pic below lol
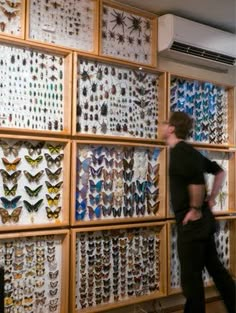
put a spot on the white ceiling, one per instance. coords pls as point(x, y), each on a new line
point(217, 13)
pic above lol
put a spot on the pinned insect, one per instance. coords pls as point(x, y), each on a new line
point(104, 35)
point(99, 74)
point(142, 103)
point(104, 109)
point(120, 38)
point(85, 75)
point(112, 34)
point(103, 127)
point(94, 87)
point(136, 24)
point(2, 26)
point(147, 38)
point(119, 20)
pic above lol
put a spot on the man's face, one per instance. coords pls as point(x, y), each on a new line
point(165, 130)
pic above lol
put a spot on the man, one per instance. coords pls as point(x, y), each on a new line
point(195, 221)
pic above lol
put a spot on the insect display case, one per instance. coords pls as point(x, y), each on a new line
point(35, 88)
point(209, 104)
point(72, 23)
point(12, 18)
point(35, 271)
point(117, 183)
point(225, 244)
point(113, 101)
point(127, 33)
point(34, 181)
point(118, 265)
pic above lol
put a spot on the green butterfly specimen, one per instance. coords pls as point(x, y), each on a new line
point(35, 192)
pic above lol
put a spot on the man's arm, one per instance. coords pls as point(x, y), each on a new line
point(217, 185)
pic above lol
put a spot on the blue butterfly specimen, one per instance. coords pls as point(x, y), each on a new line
point(197, 136)
point(142, 186)
point(139, 198)
point(96, 172)
point(79, 216)
point(95, 211)
point(189, 98)
point(181, 94)
point(198, 105)
point(94, 200)
point(95, 186)
point(10, 204)
point(97, 150)
point(81, 205)
point(181, 83)
point(154, 154)
point(83, 165)
point(190, 86)
point(189, 110)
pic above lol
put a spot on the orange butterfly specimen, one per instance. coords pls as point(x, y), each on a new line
point(11, 166)
point(13, 217)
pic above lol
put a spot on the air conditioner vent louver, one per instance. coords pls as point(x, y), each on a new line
point(205, 54)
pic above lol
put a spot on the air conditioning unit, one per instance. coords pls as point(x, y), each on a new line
point(184, 40)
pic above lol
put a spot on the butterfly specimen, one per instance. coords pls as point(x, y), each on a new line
point(33, 178)
point(10, 192)
point(97, 160)
point(10, 217)
point(8, 204)
point(11, 166)
point(128, 165)
point(53, 214)
point(94, 200)
point(32, 149)
point(34, 162)
point(10, 177)
point(85, 165)
point(54, 149)
point(51, 161)
point(97, 211)
point(53, 275)
point(33, 207)
point(53, 175)
point(14, 149)
point(53, 188)
point(33, 193)
point(153, 208)
point(96, 173)
point(107, 198)
point(96, 186)
point(53, 201)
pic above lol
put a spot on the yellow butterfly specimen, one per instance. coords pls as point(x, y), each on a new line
point(53, 201)
point(53, 214)
point(34, 162)
point(54, 149)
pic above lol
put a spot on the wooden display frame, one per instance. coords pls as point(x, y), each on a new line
point(162, 210)
point(232, 263)
point(22, 19)
point(67, 55)
point(65, 258)
point(161, 97)
point(231, 181)
point(139, 12)
point(231, 110)
point(132, 300)
point(95, 35)
point(65, 188)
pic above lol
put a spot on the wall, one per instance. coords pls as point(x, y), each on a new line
point(169, 65)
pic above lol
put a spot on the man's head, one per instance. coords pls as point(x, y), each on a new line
point(179, 125)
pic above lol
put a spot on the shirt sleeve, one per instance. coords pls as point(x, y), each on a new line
point(211, 167)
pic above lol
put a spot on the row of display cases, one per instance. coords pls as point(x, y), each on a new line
point(96, 27)
point(106, 267)
point(48, 91)
point(58, 182)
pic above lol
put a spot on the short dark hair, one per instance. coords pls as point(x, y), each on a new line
point(182, 122)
